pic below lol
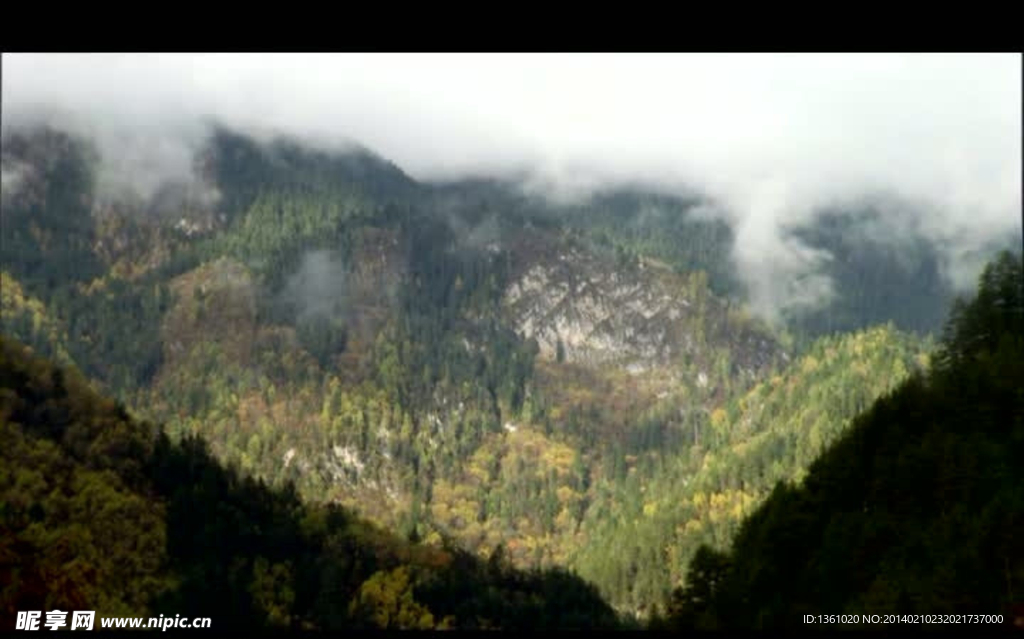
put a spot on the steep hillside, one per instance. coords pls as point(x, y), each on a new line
point(584, 307)
point(882, 269)
point(916, 510)
point(576, 384)
point(654, 519)
point(105, 513)
point(676, 231)
point(29, 318)
point(47, 224)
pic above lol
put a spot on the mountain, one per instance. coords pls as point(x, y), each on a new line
point(916, 509)
point(577, 385)
point(105, 513)
point(883, 269)
point(644, 531)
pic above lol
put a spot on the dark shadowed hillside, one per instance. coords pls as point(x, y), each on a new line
point(917, 509)
point(880, 272)
point(105, 513)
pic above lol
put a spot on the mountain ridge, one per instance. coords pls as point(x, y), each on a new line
point(460, 361)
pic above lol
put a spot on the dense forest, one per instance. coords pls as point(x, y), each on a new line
point(645, 527)
point(105, 513)
point(916, 509)
point(527, 395)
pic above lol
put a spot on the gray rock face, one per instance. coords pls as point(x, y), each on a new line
point(600, 314)
point(594, 310)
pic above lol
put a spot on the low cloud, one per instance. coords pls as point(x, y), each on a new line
point(12, 176)
point(318, 287)
point(771, 139)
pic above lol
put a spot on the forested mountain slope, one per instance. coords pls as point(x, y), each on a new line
point(565, 384)
point(917, 509)
point(642, 531)
point(105, 513)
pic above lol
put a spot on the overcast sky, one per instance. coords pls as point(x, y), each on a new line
point(770, 136)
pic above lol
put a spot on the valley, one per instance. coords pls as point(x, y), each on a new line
point(577, 387)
